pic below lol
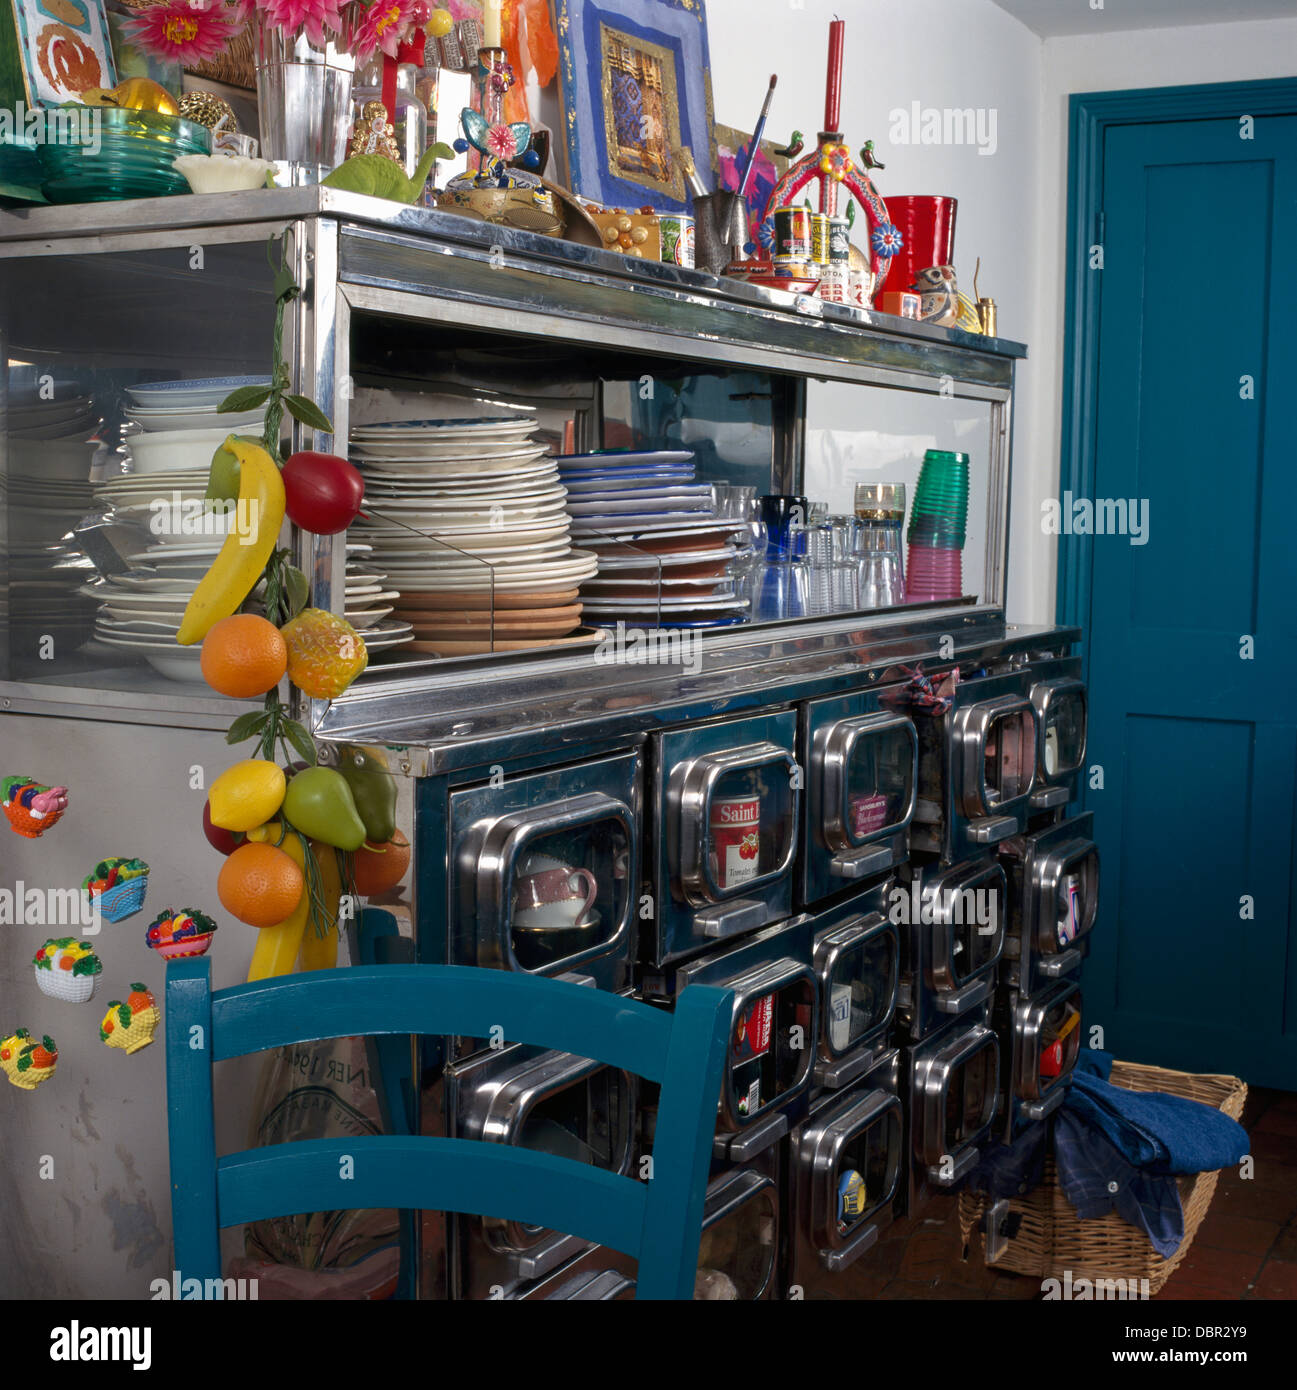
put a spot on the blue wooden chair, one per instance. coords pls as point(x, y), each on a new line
point(659, 1222)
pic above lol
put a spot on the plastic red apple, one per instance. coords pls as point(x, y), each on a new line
point(322, 492)
point(224, 840)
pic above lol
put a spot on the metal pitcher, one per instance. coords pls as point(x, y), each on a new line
point(721, 230)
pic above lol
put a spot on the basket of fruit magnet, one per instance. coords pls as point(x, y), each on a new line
point(183, 933)
point(26, 1061)
point(130, 1025)
point(30, 806)
point(119, 886)
point(67, 969)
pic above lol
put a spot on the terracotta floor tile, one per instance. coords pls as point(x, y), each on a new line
point(1277, 1279)
point(1228, 1272)
point(1273, 1150)
point(1175, 1291)
point(1276, 1121)
point(902, 1288)
point(1285, 1248)
point(1224, 1230)
point(1247, 1199)
point(1014, 1286)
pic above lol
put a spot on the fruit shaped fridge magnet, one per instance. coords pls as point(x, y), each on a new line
point(130, 1025)
point(30, 806)
point(67, 969)
point(832, 165)
point(184, 933)
point(118, 886)
point(26, 1061)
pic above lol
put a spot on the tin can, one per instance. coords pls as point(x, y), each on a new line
point(677, 238)
point(793, 232)
point(868, 813)
point(834, 282)
point(735, 829)
point(793, 268)
point(857, 280)
point(752, 1036)
point(1069, 916)
point(839, 239)
point(820, 238)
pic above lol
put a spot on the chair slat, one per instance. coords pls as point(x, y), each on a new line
point(447, 1000)
point(465, 1175)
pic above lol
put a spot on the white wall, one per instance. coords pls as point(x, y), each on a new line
point(1100, 63)
point(941, 53)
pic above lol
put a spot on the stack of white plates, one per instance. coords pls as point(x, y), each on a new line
point(468, 518)
point(175, 426)
point(664, 556)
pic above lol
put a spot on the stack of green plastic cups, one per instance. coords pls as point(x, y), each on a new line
point(938, 518)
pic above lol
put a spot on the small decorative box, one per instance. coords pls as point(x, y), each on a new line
point(653, 236)
point(67, 969)
point(903, 303)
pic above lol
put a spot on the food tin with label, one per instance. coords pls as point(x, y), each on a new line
point(839, 239)
point(736, 839)
point(820, 242)
point(793, 268)
point(677, 233)
point(856, 292)
point(834, 282)
point(793, 232)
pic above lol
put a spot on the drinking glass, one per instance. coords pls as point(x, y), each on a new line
point(880, 580)
point(880, 502)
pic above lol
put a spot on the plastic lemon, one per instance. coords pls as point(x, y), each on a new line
point(247, 795)
point(440, 24)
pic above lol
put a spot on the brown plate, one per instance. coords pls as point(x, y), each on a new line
point(478, 626)
point(480, 648)
point(428, 601)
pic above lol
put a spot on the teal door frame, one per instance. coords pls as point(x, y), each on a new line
point(1090, 114)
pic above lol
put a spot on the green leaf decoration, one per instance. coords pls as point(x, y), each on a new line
point(124, 1013)
point(48, 1043)
point(139, 988)
point(297, 588)
point(44, 964)
point(244, 398)
point(24, 1058)
point(305, 410)
point(247, 726)
point(103, 1036)
point(303, 744)
point(88, 965)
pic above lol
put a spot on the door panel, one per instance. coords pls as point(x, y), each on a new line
point(1193, 634)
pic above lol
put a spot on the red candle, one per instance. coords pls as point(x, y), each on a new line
point(833, 88)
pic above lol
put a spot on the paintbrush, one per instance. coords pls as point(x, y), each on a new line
point(756, 136)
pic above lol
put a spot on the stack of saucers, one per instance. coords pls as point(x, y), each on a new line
point(175, 426)
point(664, 555)
point(467, 517)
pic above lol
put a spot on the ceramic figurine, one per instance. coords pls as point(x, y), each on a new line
point(938, 295)
point(794, 146)
point(31, 806)
point(119, 885)
point(868, 160)
point(131, 1025)
point(183, 933)
point(380, 177)
point(27, 1063)
point(67, 969)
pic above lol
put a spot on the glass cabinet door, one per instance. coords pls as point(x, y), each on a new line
point(1009, 761)
point(971, 1097)
point(736, 1256)
point(858, 971)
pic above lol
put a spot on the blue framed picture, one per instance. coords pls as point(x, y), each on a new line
point(635, 81)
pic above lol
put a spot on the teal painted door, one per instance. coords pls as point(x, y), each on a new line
point(1193, 634)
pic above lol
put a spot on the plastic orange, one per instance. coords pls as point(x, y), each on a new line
point(325, 653)
point(376, 868)
point(243, 656)
point(260, 885)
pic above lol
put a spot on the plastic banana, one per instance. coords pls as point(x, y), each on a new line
point(277, 946)
point(242, 558)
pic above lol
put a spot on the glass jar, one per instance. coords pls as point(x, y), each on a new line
point(410, 116)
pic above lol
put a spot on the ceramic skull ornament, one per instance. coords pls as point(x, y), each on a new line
point(938, 295)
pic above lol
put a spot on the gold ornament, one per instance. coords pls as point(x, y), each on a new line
point(205, 108)
point(135, 93)
point(374, 134)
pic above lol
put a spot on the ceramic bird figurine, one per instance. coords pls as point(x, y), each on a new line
point(27, 1063)
point(793, 148)
point(380, 177)
point(938, 295)
point(867, 158)
point(31, 807)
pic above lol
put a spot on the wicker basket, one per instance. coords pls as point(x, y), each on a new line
point(1050, 1238)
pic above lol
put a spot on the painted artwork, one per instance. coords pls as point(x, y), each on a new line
point(65, 48)
point(636, 87)
point(731, 157)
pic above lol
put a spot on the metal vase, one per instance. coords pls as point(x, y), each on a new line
point(720, 230)
point(304, 100)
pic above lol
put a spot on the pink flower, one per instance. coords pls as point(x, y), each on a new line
point(317, 19)
point(182, 32)
point(381, 25)
point(501, 142)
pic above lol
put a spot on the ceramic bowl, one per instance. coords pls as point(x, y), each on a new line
point(222, 173)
